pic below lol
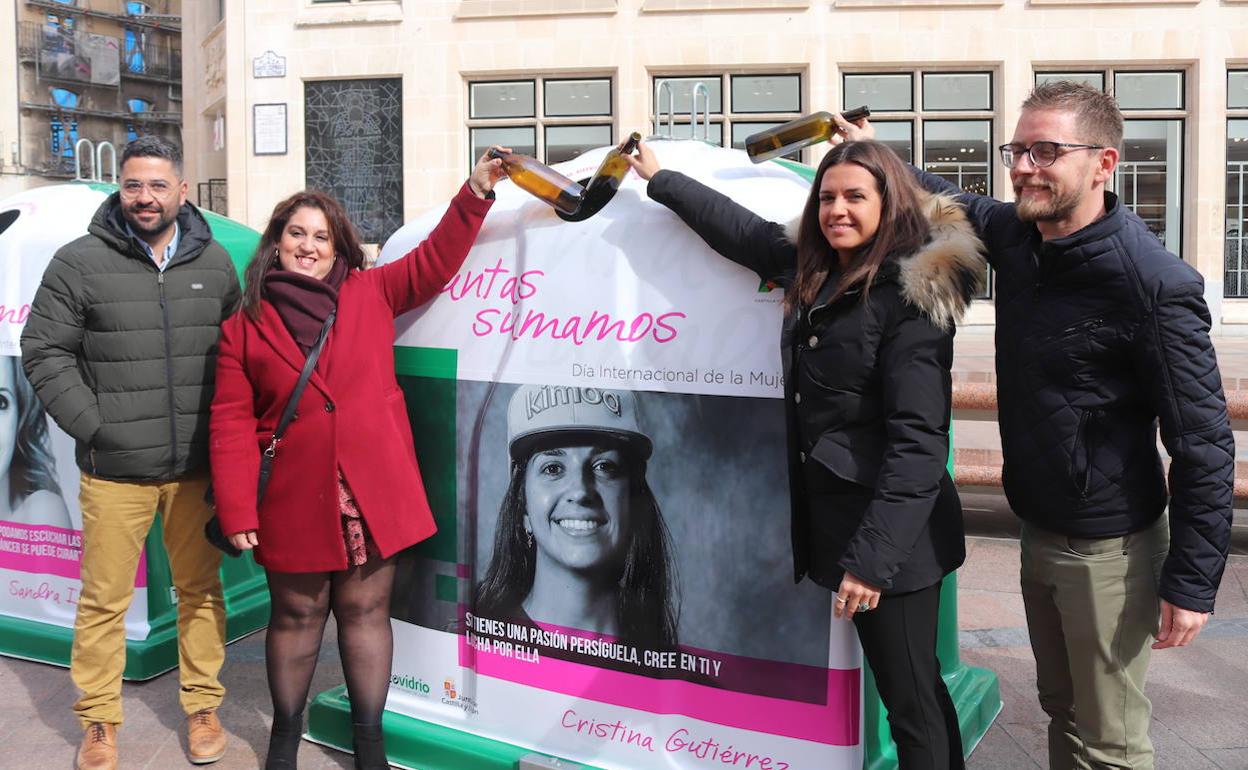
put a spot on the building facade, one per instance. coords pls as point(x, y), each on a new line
point(386, 102)
point(101, 70)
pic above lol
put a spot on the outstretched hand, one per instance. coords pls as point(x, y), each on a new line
point(644, 162)
point(855, 131)
point(487, 172)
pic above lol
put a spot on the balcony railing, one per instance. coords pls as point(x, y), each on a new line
point(87, 58)
point(160, 14)
point(153, 62)
point(170, 118)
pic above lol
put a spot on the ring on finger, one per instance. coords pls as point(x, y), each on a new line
point(864, 607)
point(841, 600)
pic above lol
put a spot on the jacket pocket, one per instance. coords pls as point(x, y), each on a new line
point(861, 465)
point(1064, 355)
point(1097, 547)
point(1081, 456)
point(1085, 326)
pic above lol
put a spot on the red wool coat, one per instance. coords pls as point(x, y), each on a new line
point(351, 415)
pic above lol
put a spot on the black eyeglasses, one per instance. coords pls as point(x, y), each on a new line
point(1042, 154)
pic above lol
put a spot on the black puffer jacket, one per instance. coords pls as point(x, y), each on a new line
point(122, 355)
point(867, 391)
point(1100, 335)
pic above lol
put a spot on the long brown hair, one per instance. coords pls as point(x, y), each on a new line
point(341, 232)
point(903, 227)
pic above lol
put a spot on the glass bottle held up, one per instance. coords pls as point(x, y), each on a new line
point(602, 186)
point(614, 167)
point(541, 181)
point(796, 134)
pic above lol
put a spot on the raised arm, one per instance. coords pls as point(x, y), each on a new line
point(981, 210)
point(419, 275)
point(727, 227)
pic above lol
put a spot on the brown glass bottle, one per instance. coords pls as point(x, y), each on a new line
point(796, 134)
point(614, 167)
point(540, 180)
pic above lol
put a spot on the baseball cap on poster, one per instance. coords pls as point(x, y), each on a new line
point(539, 412)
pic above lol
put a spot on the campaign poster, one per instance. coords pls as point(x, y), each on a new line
point(40, 521)
point(597, 409)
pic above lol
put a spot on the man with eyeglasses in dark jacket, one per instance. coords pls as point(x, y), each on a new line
point(121, 347)
point(1101, 335)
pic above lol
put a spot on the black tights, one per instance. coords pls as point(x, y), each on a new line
point(301, 602)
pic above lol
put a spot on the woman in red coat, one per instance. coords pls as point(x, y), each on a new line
point(345, 494)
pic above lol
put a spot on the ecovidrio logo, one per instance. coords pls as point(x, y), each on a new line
point(410, 683)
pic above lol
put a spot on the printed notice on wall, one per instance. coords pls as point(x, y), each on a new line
point(269, 129)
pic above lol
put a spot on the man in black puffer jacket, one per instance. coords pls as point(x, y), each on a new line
point(1101, 334)
point(121, 347)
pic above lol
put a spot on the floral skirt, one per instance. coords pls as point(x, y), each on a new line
point(360, 545)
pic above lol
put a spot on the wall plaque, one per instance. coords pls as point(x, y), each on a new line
point(268, 129)
point(268, 65)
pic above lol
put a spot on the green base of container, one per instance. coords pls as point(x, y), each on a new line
point(246, 611)
point(415, 743)
point(976, 694)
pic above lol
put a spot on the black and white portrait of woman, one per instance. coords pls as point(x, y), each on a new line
point(29, 492)
point(659, 519)
point(580, 541)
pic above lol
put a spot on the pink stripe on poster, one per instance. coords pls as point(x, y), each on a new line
point(40, 549)
point(833, 723)
point(45, 550)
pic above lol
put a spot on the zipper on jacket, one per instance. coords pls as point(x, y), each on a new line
point(1088, 435)
point(173, 411)
point(1084, 326)
point(1081, 472)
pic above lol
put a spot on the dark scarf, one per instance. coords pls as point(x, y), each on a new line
point(304, 302)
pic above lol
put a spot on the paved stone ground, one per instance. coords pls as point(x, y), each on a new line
point(1200, 719)
point(1200, 714)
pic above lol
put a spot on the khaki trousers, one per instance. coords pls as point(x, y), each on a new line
point(1092, 609)
point(116, 517)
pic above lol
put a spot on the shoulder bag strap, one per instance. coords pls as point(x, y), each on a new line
point(288, 414)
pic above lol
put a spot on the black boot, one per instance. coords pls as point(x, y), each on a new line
point(370, 749)
point(284, 743)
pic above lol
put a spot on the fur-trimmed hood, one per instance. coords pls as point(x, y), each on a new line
point(941, 278)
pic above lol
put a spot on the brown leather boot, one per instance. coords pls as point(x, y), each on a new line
point(98, 750)
point(205, 737)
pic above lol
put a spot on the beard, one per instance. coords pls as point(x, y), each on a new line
point(163, 223)
point(1058, 206)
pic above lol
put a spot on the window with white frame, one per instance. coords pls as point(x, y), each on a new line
point(729, 106)
point(1235, 230)
point(550, 118)
point(1149, 177)
point(938, 120)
